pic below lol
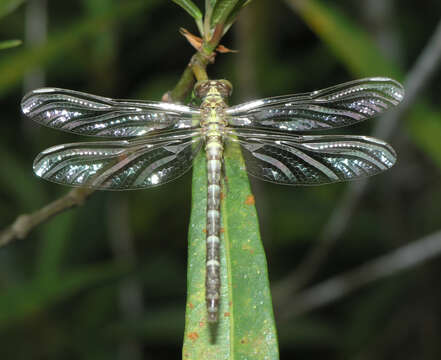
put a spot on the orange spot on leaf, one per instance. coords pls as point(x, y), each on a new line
point(248, 248)
point(227, 314)
point(191, 306)
point(193, 336)
point(250, 200)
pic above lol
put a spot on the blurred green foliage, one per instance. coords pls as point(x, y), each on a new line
point(61, 288)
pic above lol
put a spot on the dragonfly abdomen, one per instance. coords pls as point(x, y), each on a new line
point(213, 123)
point(214, 150)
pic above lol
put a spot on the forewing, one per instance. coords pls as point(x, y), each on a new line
point(337, 106)
point(87, 114)
point(312, 160)
point(120, 165)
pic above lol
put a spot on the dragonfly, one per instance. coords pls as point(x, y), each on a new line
point(152, 143)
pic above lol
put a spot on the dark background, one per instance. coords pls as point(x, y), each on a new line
point(107, 280)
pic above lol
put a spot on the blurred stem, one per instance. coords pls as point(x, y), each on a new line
point(245, 65)
point(195, 69)
point(130, 288)
point(24, 223)
point(183, 87)
point(35, 35)
point(379, 15)
point(404, 258)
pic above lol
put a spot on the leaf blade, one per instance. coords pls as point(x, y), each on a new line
point(253, 320)
point(222, 11)
point(8, 6)
point(7, 44)
point(246, 322)
point(198, 334)
point(346, 39)
point(190, 7)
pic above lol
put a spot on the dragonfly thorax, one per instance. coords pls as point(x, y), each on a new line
point(213, 94)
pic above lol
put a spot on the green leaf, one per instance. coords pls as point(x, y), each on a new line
point(8, 6)
point(246, 327)
point(349, 42)
point(7, 44)
point(210, 4)
point(190, 7)
point(223, 10)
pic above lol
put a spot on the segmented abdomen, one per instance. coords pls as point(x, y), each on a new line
point(214, 151)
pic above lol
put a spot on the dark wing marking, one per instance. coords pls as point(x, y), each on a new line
point(121, 165)
point(87, 114)
point(311, 160)
point(337, 106)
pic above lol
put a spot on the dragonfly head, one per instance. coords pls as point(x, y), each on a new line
point(205, 88)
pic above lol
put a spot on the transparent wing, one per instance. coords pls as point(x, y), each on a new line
point(311, 160)
point(120, 165)
point(337, 106)
point(87, 114)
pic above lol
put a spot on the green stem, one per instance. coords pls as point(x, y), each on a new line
point(209, 46)
point(183, 87)
point(199, 64)
point(197, 68)
point(207, 20)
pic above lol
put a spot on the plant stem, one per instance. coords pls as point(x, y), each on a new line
point(198, 65)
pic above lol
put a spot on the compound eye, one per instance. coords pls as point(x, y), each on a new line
point(201, 88)
point(226, 86)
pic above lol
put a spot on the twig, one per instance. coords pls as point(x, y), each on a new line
point(24, 223)
point(404, 258)
point(426, 65)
